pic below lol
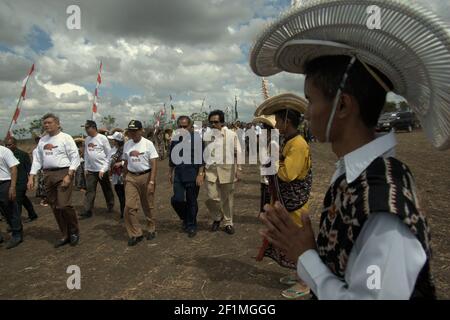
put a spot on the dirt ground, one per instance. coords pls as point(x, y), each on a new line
point(209, 266)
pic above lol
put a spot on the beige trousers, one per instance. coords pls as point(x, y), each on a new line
point(220, 201)
point(135, 192)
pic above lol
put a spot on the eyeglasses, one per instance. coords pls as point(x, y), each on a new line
point(214, 122)
point(183, 127)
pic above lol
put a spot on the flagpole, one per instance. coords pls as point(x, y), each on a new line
point(9, 133)
point(203, 103)
point(94, 105)
point(235, 108)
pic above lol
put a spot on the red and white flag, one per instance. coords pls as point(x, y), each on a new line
point(99, 81)
point(18, 106)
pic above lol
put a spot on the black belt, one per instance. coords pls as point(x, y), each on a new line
point(56, 169)
point(140, 173)
point(94, 172)
point(4, 181)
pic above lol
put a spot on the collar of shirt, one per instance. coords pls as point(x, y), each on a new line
point(355, 162)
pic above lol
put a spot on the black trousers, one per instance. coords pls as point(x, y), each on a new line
point(184, 202)
point(120, 191)
point(9, 210)
point(92, 179)
point(22, 200)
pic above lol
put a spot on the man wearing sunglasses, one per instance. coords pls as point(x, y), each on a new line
point(186, 173)
point(219, 172)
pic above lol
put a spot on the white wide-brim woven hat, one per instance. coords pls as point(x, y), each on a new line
point(281, 102)
point(412, 49)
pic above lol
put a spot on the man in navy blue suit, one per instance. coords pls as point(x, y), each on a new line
point(186, 173)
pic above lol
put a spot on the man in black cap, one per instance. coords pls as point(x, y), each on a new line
point(96, 165)
point(140, 173)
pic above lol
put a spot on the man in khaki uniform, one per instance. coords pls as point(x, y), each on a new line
point(140, 172)
point(220, 171)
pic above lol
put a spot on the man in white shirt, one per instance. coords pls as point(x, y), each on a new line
point(97, 151)
point(57, 155)
point(373, 240)
point(140, 173)
point(8, 205)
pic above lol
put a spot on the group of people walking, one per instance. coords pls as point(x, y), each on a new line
point(371, 215)
point(130, 166)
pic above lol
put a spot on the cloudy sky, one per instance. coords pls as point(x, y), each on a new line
point(190, 49)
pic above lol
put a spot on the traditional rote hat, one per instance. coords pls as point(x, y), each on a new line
point(411, 47)
point(281, 102)
point(268, 120)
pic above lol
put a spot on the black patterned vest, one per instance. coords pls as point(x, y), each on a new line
point(385, 186)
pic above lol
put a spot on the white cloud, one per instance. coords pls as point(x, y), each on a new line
point(150, 49)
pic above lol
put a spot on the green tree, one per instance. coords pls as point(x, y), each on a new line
point(390, 107)
point(404, 106)
point(20, 133)
point(109, 122)
point(36, 127)
point(199, 116)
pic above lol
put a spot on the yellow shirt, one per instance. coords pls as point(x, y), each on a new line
point(295, 166)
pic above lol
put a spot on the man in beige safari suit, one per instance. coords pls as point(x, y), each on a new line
point(220, 175)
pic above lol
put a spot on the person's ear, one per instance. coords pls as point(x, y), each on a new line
point(346, 106)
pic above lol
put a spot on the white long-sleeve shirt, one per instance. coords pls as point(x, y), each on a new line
point(97, 151)
point(58, 151)
point(385, 247)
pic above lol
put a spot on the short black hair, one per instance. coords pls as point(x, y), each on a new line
point(90, 124)
point(217, 113)
point(294, 116)
point(326, 73)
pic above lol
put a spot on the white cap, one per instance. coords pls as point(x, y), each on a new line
point(118, 136)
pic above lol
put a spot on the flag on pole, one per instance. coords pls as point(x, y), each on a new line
point(18, 106)
point(16, 115)
point(203, 103)
point(24, 91)
point(172, 109)
point(95, 102)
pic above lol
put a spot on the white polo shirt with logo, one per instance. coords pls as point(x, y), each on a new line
point(53, 152)
point(97, 152)
point(138, 155)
